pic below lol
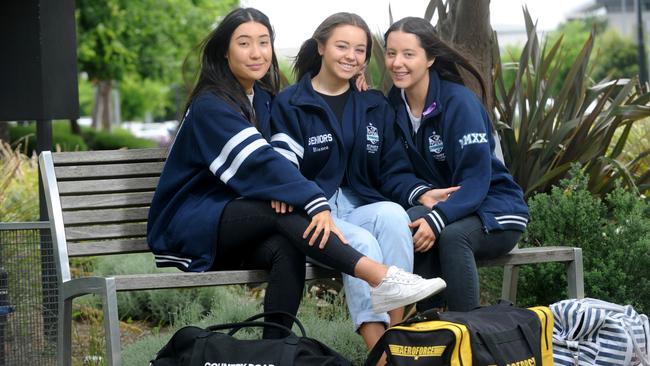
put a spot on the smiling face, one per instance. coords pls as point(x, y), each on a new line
point(407, 61)
point(250, 53)
point(344, 53)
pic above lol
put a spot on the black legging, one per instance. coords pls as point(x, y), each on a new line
point(253, 236)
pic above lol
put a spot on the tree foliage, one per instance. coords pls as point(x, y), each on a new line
point(615, 57)
point(101, 31)
point(144, 40)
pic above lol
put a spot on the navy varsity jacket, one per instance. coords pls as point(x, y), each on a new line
point(216, 157)
point(454, 147)
point(307, 133)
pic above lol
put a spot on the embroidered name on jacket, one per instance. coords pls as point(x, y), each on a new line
point(473, 138)
point(372, 136)
point(436, 146)
point(323, 139)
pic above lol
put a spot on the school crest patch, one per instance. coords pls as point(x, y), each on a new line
point(436, 146)
point(372, 136)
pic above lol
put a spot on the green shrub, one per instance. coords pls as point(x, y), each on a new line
point(156, 306)
point(62, 138)
point(117, 139)
point(490, 279)
point(140, 95)
point(616, 57)
point(610, 231)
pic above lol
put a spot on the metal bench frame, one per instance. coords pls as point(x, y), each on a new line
point(98, 203)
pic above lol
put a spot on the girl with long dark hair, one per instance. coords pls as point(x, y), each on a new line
point(450, 142)
point(211, 208)
point(344, 140)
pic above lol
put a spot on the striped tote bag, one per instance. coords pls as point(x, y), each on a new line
point(596, 332)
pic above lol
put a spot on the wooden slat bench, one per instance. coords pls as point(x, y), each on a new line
point(98, 203)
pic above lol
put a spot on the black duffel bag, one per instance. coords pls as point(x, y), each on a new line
point(496, 335)
point(194, 346)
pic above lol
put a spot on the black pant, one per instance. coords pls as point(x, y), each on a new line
point(453, 258)
point(253, 236)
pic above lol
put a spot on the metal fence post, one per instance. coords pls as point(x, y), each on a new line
point(5, 309)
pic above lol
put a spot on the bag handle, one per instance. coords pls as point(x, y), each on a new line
point(375, 353)
point(279, 312)
point(530, 339)
point(425, 316)
point(288, 351)
point(491, 345)
point(434, 314)
point(235, 327)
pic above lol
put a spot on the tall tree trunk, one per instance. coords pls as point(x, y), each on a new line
point(467, 26)
point(103, 109)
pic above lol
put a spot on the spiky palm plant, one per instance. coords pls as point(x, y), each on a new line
point(543, 133)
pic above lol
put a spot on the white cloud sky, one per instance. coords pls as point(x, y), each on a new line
point(295, 20)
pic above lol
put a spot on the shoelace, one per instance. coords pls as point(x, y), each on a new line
point(402, 276)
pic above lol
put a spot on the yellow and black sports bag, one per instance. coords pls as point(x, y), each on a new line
point(500, 335)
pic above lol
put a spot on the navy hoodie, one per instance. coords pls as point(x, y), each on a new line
point(218, 156)
point(307, 133)
point(454, 146)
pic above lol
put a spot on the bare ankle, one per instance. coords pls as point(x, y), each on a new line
point(370, 271)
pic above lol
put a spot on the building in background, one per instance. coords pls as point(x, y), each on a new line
point(620, 14)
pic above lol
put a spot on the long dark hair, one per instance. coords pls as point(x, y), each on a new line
point(215, 75)
point(308, 60)
point(447, 59)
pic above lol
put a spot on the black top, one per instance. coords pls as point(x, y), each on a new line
point(337, 103)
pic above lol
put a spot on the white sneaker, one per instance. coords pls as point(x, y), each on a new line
point(400, 288)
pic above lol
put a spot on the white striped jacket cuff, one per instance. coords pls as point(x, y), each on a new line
point(165, 260)
point(317, 205)
point(509, 220)
point(436, 221)
point(416, 193)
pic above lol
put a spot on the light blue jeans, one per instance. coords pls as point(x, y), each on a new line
point(379, 231)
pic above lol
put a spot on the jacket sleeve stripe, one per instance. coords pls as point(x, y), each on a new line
point(309, 205)
point(315, 207)
point(288, 154)
point(229, 146)
point(440, 220)
point(180, 259)
point(293, 145)
point(415, 192)
point(171, 259)
point(239, 159)
point(511, 217)
point(503, 222)
point(435, 222)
